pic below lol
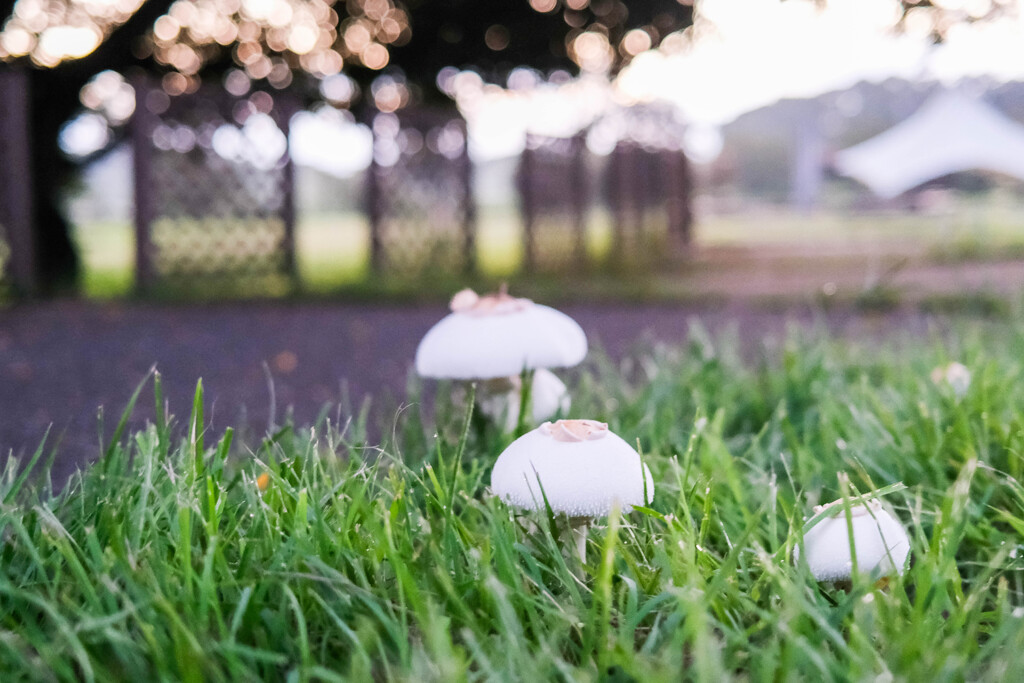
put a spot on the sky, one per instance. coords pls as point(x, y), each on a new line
point(745, 54)
point(740, 55)
point(750, 53)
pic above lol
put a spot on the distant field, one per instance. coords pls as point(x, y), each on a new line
point(333, 249)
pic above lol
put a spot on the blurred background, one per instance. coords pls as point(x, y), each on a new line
point(224, 148)
point(859, 155)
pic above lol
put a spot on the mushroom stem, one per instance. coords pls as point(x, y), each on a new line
point(579, 527)
point(525, 402)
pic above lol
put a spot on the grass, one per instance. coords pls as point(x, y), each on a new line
point(980, 303)
point(967, 250)
point(332, 250)
point(358, 558)
point(333, 253)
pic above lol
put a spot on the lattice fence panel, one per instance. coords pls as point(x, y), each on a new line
point(649, 197)
point(419, 194)
point(554, 191)
point(214, 192)
point(648, 187)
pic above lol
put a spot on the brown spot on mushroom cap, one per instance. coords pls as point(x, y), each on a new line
point(469, 302)
point(574, 430)
point(463, 300)
point(856, 510)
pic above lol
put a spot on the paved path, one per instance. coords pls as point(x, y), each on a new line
point(60, 361)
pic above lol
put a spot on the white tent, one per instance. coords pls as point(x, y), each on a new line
point(951, 132)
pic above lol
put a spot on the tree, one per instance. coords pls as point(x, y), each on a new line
point(54, 102)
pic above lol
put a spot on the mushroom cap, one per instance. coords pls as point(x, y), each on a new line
point(548, 397)
point(880, 541)
point(584, 469)
point(956, 375)
point(487, 340)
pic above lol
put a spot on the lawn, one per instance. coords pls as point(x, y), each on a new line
point(333, 249)
point(320, 552)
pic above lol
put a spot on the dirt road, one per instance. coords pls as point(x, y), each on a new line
point(61, 361)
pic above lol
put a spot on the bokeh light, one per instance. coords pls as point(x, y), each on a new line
point(497, 38)
point(110, 95)
point(267, 39)
point(52, 31)
point(273, 38)
point(544, 5)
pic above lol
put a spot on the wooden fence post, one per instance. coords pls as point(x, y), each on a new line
point(17, 207)
point(142, 125)
point(286, 108)
point(620, 187)
point(469, 204)
point(679, 199)
point(578, 174)
point(527, 170)
point(375, 210)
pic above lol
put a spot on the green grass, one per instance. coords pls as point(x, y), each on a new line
point(972, 249)
point(369, 559)
point(333, 253)
point(107, 251)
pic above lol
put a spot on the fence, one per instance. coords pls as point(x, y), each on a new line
point(554, 193)
point(419, 194)
point(215, 195)
point(648, 192)
point(214, 191)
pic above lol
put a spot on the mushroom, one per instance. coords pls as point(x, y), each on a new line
point(500, 398)
point(581, 470)
point(497, 337)
point(880, 542)
point(956, 375)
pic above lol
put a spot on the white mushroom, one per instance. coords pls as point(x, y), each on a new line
point(579, 467)
point(497, 337)
point(500, 399)
point(880, 542)
point(956, 375)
